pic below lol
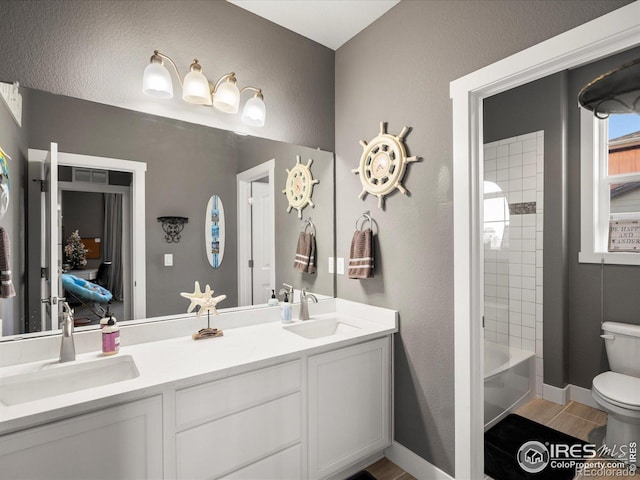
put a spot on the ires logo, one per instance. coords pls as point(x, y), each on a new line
point(534, 456)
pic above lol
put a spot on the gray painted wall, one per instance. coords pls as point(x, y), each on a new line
point(537, 106)
point(253, 151)
point(98, 49)
point(398, 70)
point(11, 141)
point(587, 356)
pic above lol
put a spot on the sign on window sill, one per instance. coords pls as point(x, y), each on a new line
point(624, 236)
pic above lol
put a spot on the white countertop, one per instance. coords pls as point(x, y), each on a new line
point(180, 361)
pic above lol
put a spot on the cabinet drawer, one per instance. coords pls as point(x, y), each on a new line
point(284, 465)
point(224, 445)
point(195, 405)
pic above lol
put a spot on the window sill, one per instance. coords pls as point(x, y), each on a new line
point(609, 258)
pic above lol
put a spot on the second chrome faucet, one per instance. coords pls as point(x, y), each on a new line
point(304, 303)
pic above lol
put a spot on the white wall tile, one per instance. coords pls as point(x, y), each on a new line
point(529, 196)
point(528, 183)
point(529, 158)
point(529, 170)
point(514, 274)
point(529, 145)
point(515, 160)
point(490, 152)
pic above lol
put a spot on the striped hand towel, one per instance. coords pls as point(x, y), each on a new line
point(361, 254)
point(6, 285)
point(305, 260)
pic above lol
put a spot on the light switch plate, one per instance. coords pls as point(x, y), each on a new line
point(168, 260)
point(340, 266)
point(331, 264)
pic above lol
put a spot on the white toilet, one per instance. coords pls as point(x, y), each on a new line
point(618, 391)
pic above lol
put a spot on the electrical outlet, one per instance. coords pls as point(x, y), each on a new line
point(168, 260)
point(340, 266)
point(331, 264)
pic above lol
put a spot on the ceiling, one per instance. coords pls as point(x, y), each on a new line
point(328, 22)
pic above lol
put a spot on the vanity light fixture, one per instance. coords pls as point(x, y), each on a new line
point(224, 95)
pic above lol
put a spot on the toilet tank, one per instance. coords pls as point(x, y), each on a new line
point(622, 341)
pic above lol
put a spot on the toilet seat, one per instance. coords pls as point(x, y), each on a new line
point(618, 389)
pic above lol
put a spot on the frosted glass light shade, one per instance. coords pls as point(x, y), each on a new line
point(195, 88)
point(156, 81)
point(227, 98)
point(254, 112)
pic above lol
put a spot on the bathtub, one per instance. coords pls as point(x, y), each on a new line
point(509, 381)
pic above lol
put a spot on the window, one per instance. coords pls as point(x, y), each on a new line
point(610, 189)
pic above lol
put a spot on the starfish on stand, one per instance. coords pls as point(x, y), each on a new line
point(206, 303)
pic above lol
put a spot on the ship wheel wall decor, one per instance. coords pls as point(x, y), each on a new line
point(382, 164)
point(299, 186)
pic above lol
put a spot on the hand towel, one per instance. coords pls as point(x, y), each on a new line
point(311, 267)
point(361, 254)
point(6, 285)
point(305, 260)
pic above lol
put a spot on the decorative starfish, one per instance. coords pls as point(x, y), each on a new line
point(205, 300)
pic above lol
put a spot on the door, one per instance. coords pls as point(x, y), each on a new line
point(50, 242)
point(256, 213)
point(262, 236)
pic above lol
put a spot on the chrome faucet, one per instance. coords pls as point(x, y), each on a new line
point(67, 347)
point(288, 289)
point(304, 305)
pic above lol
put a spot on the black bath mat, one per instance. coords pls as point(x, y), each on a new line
point(503, 441)
point(363, 475)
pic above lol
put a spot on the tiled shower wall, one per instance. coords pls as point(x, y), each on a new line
point(513, 263)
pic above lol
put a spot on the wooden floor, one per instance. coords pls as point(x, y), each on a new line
point(386, 470)
point(577, 420)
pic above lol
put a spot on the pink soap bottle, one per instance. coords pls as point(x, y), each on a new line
point(111, 338)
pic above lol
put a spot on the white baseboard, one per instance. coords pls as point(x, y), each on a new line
point(567, 394)
point(414, 464)
point(582, 395)
point(555, 394)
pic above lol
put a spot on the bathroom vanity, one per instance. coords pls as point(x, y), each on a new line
point(309, 400)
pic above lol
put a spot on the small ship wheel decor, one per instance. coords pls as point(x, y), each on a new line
point(299, 186)
point(383, 164)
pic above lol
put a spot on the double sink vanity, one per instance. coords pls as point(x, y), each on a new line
point(310, 399)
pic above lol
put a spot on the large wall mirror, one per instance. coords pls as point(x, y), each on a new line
point(184, 165)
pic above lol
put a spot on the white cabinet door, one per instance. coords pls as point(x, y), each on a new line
point(121, 442)
point(349, 406)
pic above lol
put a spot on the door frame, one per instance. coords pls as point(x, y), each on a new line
point(243, 184)
point(604, 36)
point(137, 197)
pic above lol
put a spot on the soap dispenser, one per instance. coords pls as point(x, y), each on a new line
point(111, 338)
point(285, 313)
point(273, 301)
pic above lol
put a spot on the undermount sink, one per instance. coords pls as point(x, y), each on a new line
point(313, 329)
point(60, 378)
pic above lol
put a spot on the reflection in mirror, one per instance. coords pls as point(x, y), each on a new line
point(186, 164)
point(214, 231)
